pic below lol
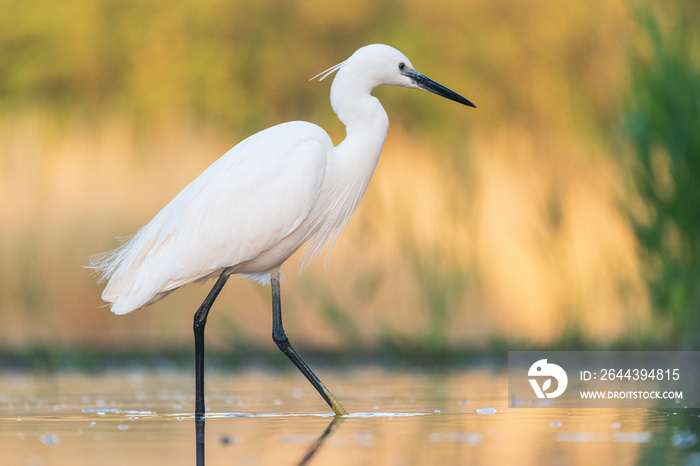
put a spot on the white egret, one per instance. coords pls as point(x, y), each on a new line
point(261, 201)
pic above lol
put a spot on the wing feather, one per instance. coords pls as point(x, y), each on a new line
point(246, 202)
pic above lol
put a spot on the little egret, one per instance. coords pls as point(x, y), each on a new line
point(261, 201)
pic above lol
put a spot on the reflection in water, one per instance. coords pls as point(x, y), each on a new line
point(459, 417)
point(199, 439)
point(313, 449)
point(332, 427)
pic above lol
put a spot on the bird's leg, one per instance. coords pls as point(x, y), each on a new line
point(200, 320)
point(282, 341)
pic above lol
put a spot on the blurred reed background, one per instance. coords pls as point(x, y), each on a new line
point(563, 212)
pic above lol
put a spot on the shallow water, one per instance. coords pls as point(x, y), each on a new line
point(263, 417)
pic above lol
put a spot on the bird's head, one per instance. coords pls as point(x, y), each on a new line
point(378, 64)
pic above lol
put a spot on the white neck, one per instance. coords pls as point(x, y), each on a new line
point(353, 161)
point(366, 121)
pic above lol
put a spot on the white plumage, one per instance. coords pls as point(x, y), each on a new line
point(230, 217)
point(261, 201)
point(266, 197)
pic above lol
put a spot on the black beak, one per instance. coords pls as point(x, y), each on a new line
point(431, 86)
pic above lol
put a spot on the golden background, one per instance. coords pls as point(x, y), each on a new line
point(506, 225)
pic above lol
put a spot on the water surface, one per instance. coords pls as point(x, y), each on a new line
point(409, 417)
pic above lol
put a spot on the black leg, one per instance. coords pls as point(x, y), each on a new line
point(200, 320)
point(282, 341)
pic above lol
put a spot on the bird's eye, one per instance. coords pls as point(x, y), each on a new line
point(402, 65)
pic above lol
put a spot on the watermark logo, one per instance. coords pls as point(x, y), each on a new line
point(604, 379)
point(541, 369)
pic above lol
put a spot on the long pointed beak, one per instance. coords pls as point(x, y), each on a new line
point(429, 85)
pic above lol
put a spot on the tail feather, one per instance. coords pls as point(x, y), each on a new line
point(125, 271)
point(131, 279)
